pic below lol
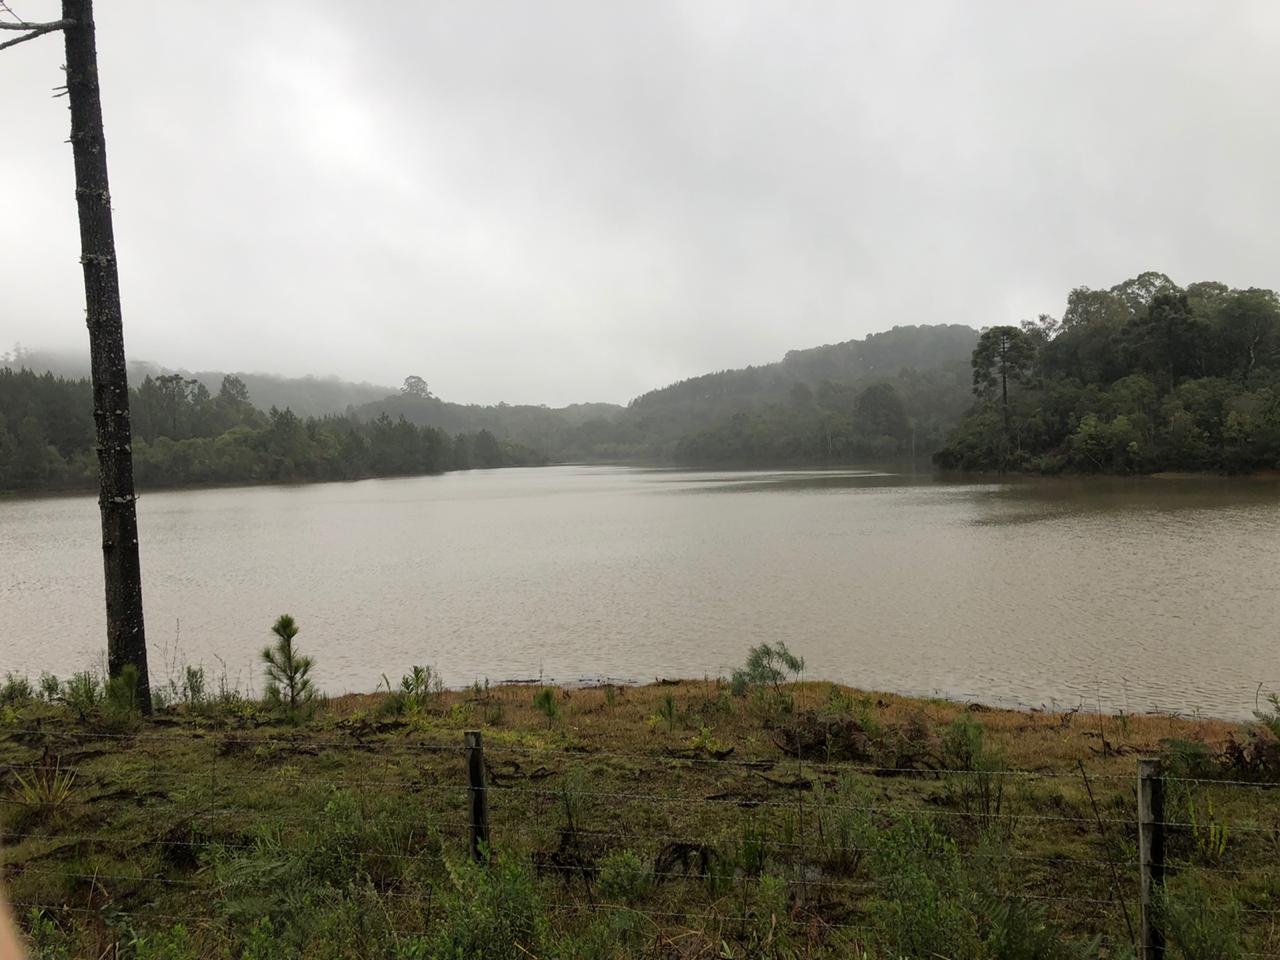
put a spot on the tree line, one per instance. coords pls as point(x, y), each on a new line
point(1142, 377)
point(185, 434)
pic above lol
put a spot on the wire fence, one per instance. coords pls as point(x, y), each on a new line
point(147, 826)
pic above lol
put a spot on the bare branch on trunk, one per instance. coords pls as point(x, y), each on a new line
point(31, 30)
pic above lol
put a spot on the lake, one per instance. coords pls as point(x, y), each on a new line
point(1155, 593)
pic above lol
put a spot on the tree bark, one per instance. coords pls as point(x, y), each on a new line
point(126, 638)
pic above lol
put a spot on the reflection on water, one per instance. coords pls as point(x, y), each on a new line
point(1143, 594)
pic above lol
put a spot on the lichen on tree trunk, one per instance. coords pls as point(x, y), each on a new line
point(126, 637)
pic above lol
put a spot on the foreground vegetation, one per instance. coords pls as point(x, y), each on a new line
point(749, 817)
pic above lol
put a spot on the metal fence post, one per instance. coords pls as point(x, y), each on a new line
point(479, 801)
point(1151, 855)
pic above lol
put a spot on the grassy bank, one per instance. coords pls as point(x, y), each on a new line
point(682, 820)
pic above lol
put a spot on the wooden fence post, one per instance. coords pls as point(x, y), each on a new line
point(479, 801)
point(1151, 856)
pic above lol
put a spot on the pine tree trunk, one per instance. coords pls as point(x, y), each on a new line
point(126, 639)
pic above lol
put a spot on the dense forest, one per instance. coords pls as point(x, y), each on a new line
point(882, 396)
point(185, 434)
point(1142, 377)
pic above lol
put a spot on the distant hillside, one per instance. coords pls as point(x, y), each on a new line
point(700, 401)
point(889, 395)
point(813, 405)
point(657, 424)
point(552, 431)
point(308, 396)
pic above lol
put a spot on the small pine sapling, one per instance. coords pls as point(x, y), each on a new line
point(289, 685)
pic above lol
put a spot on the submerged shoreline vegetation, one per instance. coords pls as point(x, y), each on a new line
point(757, 816)
point(1144, 377)
point(185, 435)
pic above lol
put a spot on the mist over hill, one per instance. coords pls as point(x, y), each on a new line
point(922, 370)
point(886, 395)
point(309, 396)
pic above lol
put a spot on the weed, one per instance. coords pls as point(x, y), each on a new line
point(844, 830)
point(706, 742)
point(491, 913)
point(624, 877)
point(120, 700)
point(193, 687)
point(46, 787)
point(546, 703)
point(1209, 834)
point(767, 931)
point(751, 853)
point(1197, 927)
point(48, 941)
point(172, 944)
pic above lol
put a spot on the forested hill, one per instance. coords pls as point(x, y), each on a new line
point(807, 407)
point(813, 406)
point(1141, 377)
point(881, 396)
point(186, 434)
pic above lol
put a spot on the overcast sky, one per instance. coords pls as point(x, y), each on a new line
point(582, 199)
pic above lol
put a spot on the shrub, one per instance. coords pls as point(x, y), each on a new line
point(768, 666)
point(418, 689)
point(16, 691)
point(289, 685)
point(624, 877)
point(1188, 758)
point(50, 687)
point(82, 693)
point(979, 786)
point(927, 909)
point(1270, 718)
